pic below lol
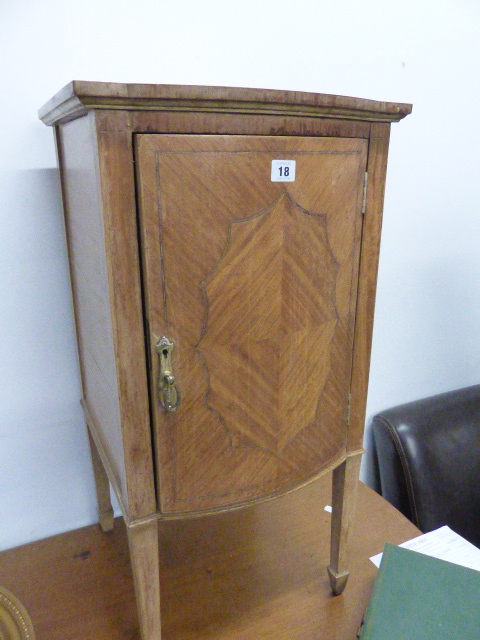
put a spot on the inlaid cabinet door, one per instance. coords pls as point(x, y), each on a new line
point(250, 248)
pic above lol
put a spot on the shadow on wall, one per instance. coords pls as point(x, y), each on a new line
point(369, 472)
point(36, 321)
point(44, 456)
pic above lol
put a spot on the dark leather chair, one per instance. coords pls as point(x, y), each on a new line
point(428, 454)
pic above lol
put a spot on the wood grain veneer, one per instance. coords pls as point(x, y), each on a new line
point(77, 97)
point(266, 289)
point(257, 283)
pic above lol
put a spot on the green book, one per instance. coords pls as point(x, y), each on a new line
point(417, 597)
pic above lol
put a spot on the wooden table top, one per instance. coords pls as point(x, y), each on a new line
point(255, 574)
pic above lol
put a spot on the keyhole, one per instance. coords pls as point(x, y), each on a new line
point(165, 353)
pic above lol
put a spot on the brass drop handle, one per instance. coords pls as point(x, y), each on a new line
point(167, 390)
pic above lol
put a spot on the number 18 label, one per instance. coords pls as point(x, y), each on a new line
point(283, 170)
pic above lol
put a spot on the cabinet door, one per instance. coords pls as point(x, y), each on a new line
point(253, 276)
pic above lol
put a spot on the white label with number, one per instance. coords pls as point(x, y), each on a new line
point(283, 170)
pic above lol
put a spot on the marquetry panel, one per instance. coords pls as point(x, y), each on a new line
point(255, 282)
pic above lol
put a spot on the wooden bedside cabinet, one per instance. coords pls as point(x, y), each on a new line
point(223, 247)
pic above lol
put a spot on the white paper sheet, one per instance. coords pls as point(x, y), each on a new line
point(445, 544)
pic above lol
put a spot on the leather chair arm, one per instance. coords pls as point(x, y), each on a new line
point(429, 460)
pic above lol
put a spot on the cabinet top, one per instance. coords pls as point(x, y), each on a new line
point(78, 97)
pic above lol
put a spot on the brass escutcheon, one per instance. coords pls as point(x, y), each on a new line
point(167, 390)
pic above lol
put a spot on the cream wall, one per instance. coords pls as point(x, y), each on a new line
point(428, 311)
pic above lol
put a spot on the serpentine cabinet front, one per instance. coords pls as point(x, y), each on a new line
point(254, 280)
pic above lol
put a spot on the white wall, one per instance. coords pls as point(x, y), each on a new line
point(421, 51)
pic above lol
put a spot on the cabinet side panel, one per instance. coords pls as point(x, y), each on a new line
point(86, 245)
point(115, 161)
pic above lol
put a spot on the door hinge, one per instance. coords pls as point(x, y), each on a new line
point(364, 200)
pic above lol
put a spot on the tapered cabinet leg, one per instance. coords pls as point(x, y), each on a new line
point(344, 493)
point(102, 487)
point(143, 543)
